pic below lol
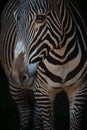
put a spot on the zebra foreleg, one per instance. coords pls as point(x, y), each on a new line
point(25, 117)
point(38, 125)
point(77, 108)
point(75, 117)
point(21, 98)
point(46, 109)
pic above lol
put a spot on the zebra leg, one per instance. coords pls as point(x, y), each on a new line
point(25, 117)
point(21, 98)
point(45, 108)
point(37, 125)
point(77, 104)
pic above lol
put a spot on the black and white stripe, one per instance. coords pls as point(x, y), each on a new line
point(8, 36)
point(65, 67)
point(54, 36)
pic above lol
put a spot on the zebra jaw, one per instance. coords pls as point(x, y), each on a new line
point(23, 73)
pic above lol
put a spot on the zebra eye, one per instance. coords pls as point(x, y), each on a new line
point(17, 18)
point(40, 18)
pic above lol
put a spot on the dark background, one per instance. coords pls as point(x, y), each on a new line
point(9, 119)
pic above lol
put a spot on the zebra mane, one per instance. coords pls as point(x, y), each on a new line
point(53, 3)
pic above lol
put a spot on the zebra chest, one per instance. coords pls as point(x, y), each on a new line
point(60, 70)
point(56, 73)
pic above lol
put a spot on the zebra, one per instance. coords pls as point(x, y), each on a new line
point(54, 35)
point(21, 95)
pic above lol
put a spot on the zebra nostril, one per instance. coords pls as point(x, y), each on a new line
point(25, 77)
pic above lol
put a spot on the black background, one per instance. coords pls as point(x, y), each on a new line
point(9, 119)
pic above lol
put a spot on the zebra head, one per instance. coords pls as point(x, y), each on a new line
point(21, 74)
point(39, 28)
